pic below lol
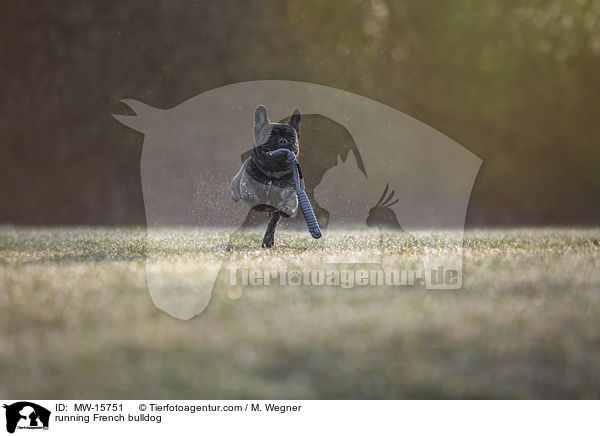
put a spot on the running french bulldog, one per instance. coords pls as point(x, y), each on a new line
point(267, 182)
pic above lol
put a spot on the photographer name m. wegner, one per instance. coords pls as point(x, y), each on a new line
point(429, 278)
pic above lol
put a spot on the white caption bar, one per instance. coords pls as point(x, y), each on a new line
point(150, 417)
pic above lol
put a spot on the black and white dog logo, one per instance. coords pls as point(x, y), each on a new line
point(26, 415)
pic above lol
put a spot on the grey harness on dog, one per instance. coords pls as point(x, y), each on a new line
point(307, 211)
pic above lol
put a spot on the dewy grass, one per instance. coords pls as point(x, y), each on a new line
point(77, 320)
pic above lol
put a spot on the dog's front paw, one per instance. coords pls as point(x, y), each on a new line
point(268, 241)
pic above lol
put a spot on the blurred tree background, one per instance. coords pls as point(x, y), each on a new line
point(516, 82)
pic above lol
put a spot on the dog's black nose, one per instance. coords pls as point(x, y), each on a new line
point(283, 142)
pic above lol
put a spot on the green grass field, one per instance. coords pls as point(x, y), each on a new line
point(77, 321)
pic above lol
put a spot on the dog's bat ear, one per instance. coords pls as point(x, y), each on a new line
point(260, 118)
point(295, 120)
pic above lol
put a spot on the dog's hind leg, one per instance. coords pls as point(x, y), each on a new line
point(269, 238)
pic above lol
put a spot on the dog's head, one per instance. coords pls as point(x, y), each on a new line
point(270, 136)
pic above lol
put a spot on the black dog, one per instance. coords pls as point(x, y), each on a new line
point(267, 183)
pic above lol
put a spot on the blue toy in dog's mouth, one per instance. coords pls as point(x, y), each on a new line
point(305, 207)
